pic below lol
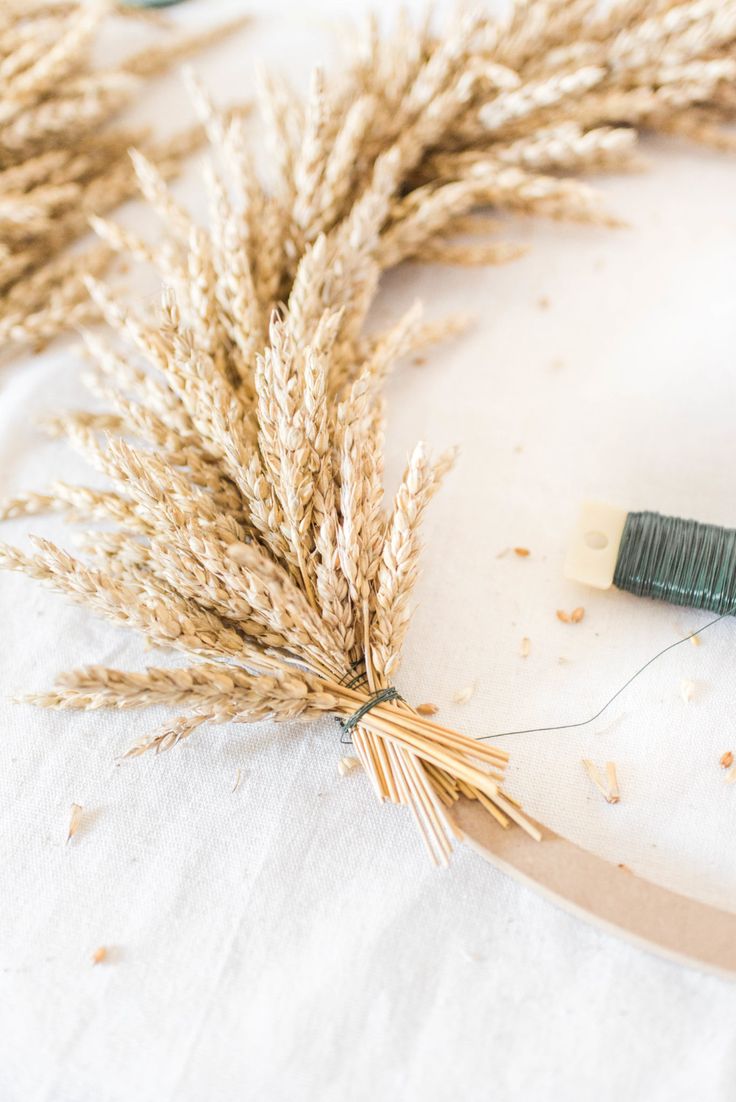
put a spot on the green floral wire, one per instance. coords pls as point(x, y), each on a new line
point(150, 3)
point(380, 697)
point(669, 559)
point(678, 561)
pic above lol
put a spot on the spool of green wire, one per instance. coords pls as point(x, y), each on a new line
point(151, 3)
point(650, 555)
point(680, 561)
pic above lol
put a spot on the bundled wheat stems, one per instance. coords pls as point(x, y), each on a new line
point(245, 521)
point(60, 161)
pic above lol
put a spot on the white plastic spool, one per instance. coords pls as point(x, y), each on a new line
point(593, 550)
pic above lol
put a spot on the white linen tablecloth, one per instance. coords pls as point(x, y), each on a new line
point(289, 940)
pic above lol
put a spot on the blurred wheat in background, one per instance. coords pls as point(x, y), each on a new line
point(61, 158)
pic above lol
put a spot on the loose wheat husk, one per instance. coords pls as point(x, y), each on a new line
point(243, 440)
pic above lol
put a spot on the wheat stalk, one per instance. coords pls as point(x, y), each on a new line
point(248, 523)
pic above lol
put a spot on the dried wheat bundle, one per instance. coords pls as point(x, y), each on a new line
point(60, 160)
point(245, 521)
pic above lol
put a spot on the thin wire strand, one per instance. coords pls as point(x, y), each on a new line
point(598, 714)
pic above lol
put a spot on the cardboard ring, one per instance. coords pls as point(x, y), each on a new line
point(609, 896)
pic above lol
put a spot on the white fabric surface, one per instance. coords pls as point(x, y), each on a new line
point(290, 941)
